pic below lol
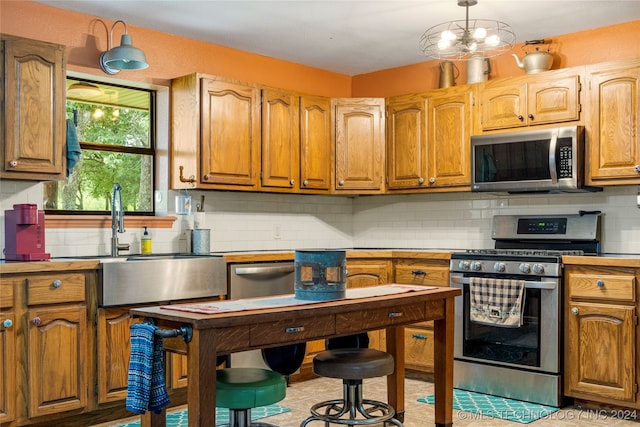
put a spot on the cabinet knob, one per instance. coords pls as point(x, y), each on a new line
point(574, 310)
point(36, 321)
point(57, 283)
point(521, 118)
point(13, 163)
point(341, 182)
point(432, 180)
point(530, 116)
point(207, 177)
point(636, 168)
point(421, 180)
point(7, 323)
point(305, 182)
point(600, 283)
point(292, 182)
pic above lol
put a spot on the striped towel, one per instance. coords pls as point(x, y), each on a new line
point(496, 302)
point(146, 388)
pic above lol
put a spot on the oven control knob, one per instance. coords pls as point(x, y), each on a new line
point(538, 268)
point(463, 265)
point(499, 267)
point(525, 268)
point(476, 266)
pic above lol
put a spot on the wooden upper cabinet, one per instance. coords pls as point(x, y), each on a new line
point(406, 142)
point(359, 145)
point(230, 144)
point(550, 97)
point(33, 120)
point(316, 149)
point(280, 139)
point(449, 138)
point(613, 145)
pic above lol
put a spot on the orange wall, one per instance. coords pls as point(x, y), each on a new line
point(171, 56)
point(586, 47)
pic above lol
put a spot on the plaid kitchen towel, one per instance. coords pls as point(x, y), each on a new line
point(496, 302)
point(146, 389)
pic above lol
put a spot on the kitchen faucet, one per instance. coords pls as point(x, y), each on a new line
point(117, 221)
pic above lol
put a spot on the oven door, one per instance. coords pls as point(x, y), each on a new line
point(533, 346)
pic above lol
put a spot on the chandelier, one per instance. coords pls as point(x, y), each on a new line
point(463, 38)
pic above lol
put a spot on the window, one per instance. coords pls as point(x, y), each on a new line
point(114, 127)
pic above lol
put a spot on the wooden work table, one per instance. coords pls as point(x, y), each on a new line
point(232, 331)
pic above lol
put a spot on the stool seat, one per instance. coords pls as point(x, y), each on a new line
point(353, 363)
point(244, 388)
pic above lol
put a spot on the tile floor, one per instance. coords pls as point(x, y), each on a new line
point(300, 396)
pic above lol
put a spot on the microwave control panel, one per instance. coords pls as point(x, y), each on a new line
point(565, 158)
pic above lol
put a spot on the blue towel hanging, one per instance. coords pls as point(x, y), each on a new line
point(73, 147)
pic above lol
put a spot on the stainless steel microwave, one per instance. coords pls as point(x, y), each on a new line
point(542, 160)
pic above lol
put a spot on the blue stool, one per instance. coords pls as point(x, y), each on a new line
point(241, 389)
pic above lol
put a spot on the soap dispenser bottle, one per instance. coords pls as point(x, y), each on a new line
point(146, 242)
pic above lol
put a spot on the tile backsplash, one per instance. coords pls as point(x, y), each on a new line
point(242, 221)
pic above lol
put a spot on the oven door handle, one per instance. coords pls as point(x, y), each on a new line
point(527, 284)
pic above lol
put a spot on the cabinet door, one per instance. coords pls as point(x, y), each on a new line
point(612, 124)
point(503, 106)
point(280, 139)
point(33, 117)
point(114, 348)
point(449, 138)
point(406, 142)
point(359, 145)
point(553, 101)
point(230, 142)
point(361, 273)
point(8, 367)
point(600, 352)
point(316, 153)
point(58, 355)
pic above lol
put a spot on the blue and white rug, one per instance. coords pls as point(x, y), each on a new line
point(486, 405)
point(179, 418)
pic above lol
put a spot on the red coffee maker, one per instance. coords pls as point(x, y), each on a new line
point(24, 233)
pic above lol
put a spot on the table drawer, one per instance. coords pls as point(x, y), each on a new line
point(289, 330)
point(380, 318)
point(428, 275)
point(55, 288)
point(602, 286)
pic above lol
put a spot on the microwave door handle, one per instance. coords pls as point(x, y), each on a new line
point(552, 156)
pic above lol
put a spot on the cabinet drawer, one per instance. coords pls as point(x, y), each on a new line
point(602, 286)
point(428, 275)
point(6, 294)
point(381, 318)
point(56, 288)
point(288, 330)
point(419, 349)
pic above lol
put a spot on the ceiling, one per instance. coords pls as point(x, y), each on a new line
point(347, 36)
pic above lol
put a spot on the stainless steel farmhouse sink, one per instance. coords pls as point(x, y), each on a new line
point(139, 279)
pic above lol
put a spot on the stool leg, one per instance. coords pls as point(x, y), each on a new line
point(239, 417)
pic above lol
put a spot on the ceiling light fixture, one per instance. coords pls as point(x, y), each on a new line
point(463, 38)
point(123, 57)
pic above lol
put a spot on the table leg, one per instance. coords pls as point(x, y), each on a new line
point(443, 365)
point(201, 388)
point(395, 381)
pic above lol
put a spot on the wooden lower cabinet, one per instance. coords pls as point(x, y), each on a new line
point(7, 366)
point(601, 345)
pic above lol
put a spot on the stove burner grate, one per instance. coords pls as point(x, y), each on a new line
point(526, 252)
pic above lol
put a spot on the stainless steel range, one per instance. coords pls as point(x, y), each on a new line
point(522, 359)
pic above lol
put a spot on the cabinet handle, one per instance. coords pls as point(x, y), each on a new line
point(396, 314)
point(305, 182)
point(7, 323)
point(432, 180)
point(530, 116)
point(421, 180)
point(57, 283)
point(292, 182)
point(13, 163)
point(418, 273)
point(296, 329)
point(636, 168)
point(418, 336)
point(600, 283)
point(341, 182)
point(574, 310)
point(36, 321)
